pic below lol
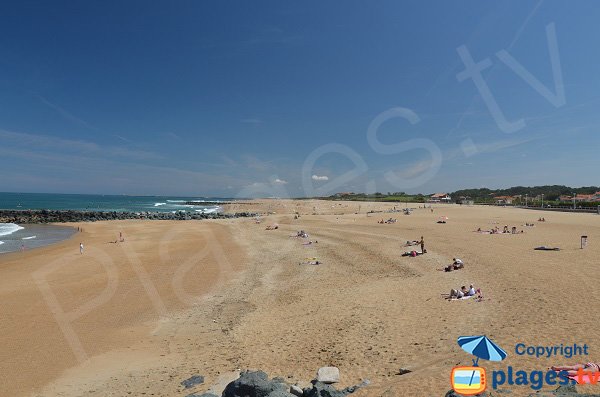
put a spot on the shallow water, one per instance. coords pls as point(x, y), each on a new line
point(33, 236)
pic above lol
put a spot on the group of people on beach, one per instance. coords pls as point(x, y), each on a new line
point(390, 220)
point(505, 230)
point(464, 292)
point(420, 242)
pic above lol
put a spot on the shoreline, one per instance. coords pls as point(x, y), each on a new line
point(34, 236)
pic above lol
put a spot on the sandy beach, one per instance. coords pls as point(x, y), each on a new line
point(180, 298)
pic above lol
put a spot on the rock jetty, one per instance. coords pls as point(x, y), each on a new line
point(53, 216)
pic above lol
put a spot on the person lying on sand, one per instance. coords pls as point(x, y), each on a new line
point(572, 369)
point(311, 261)
point(272, 227)
point(458, 293)
point(411, 243)
point(412, 253)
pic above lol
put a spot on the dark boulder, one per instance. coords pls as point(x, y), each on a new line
point(256, 384)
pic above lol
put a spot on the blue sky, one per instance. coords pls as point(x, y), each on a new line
point(275, 98)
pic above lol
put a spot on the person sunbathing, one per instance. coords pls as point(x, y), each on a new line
point(458, 293)
point(573, 369)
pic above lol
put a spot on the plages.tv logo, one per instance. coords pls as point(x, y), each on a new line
point(472, 380)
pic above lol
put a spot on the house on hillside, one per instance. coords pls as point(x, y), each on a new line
point(440, 198)
point(587, 198)
point(504, 199)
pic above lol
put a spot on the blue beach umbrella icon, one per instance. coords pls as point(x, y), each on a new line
point(481, 347)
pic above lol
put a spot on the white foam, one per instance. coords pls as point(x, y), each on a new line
point(159, 204)
point(28, 238)
point(9, 228)
point(1, 242)
point(210, 210)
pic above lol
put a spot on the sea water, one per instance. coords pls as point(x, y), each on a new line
point(92, 202)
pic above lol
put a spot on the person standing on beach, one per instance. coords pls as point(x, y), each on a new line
point(422, 242)
point(81, 248)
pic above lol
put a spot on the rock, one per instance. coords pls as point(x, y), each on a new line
point(321, 389)
point(403, 371)
point(193, 381)
point(296, 390)
point(278, 393)
point(202, 395)
point(352, 389)
point(255, 384)
point(49, 216)
point(328, 375)
point(222, 381)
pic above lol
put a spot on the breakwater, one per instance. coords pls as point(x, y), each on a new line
point(62, 216)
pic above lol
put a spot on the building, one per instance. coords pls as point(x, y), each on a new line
point(587, 198)
point(504, 199)
point(440, 198)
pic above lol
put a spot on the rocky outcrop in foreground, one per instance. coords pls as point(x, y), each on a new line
point(51, 216)
point(257, 384)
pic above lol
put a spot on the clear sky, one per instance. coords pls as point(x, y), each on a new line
point(277, 98)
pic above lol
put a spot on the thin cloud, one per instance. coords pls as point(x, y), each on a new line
point(46, 142)
point(251, 121)
point(280, 181)
point(320, 178)
point(415, 169)
point(123, 138)
point(65, 114)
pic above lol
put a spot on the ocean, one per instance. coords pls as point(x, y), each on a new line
point(16, 237)
point(96, 202)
